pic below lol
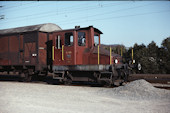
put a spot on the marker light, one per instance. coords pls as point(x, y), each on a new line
point(116, 61)
point(139, 67)
point(34, 55)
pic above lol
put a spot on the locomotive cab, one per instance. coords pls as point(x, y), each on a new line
point(80, 46)
point(76, 55)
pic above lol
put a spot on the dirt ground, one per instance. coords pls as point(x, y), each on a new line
point(17, 97)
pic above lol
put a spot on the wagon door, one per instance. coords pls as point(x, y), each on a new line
point(30, 51)
point(49, 54)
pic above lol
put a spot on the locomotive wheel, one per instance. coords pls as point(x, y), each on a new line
point(68, 78)
point(48, 80)
point(68, 81)
point(124, 77)
point(106, 83)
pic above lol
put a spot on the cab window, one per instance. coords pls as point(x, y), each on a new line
point(58, 42)
point(68, 39)
point(96, 40)
point(81, 39)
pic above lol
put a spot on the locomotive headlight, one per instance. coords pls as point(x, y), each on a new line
point(139, 66)
point(116, 61)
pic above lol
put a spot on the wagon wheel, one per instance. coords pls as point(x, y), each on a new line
point(25, 77)
point(28, 78)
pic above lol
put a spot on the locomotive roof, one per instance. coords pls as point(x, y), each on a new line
point(48, 27)
point(84, 28)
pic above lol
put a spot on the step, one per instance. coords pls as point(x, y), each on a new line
point(59, 78)
point(106, 72)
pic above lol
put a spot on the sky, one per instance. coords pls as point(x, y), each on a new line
point(122, 22)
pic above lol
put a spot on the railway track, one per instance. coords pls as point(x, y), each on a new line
point(152, 78)
point(158, 80)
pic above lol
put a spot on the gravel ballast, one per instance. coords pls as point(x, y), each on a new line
point(135, 97)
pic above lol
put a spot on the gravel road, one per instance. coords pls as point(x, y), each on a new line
point(17, 97)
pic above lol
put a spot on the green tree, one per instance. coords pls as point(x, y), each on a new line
point(152, 55)
point(146, 56)
point(165, 56)
point(152, 58)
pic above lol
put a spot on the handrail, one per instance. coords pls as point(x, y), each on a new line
point(62, 52)
point(53, 53)
point(98, 56)
point(132, 55)
point(110, 55)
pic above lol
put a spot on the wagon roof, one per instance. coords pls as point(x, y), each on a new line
point(48, 27)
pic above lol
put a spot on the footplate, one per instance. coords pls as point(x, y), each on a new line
point(58, 75)
point(105, 76)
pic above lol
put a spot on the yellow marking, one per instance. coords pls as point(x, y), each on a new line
point(110, 55)
point(62, 52)
point(132, 55)
point(53, 53)
point(121, 52)
point(98, 56)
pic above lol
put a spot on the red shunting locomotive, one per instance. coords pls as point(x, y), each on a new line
point(65, 55)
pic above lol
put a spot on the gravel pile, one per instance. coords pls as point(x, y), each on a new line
point(17, 97)
point(139, 89)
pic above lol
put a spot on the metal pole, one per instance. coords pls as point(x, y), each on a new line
point(121, 52)
point(132, 55)
point(53, 53)
point(110, 55)
point(98, 56)
point(62, 52)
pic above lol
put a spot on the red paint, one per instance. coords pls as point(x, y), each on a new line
point(20, 52)
point(80, 55)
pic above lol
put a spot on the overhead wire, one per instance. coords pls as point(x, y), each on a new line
point(6, 8)
point(70, 22)
point(70, 10)
point(42, 16)
point(45, 5)
point(94, 14)
point(138, 14)
point(111, 12)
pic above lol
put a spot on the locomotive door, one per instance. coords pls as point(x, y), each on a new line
point(68, 48)
point(63, 49)
point(57, 44)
